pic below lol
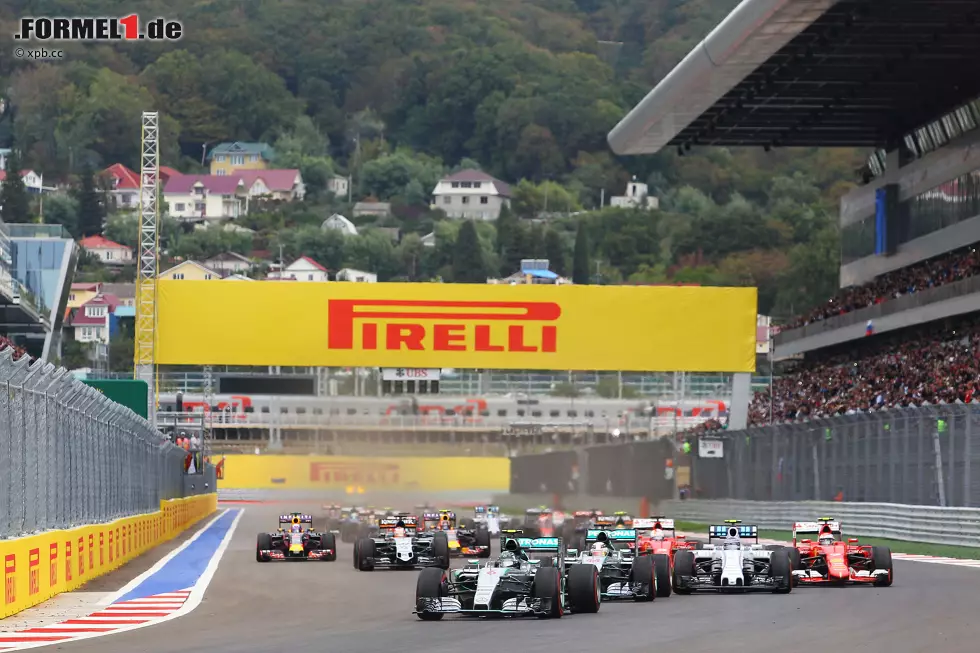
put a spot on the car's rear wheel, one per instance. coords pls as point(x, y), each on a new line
point(328, 541)
point(643, 580)
point(584, 593)
point(683, 566)
point(661, 569)
point(547, 587)
point(263, 543)
point(365, 554)
point(881, 558)
point(781, 572)
point(440, 550)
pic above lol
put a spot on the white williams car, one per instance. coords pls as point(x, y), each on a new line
point(734, 565)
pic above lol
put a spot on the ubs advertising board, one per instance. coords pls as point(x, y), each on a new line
point(249, 472)
point(432, 325)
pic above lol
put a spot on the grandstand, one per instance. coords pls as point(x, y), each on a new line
point(37, 263)
point(903, 329)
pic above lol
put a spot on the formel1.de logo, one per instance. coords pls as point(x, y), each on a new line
point(98, 28)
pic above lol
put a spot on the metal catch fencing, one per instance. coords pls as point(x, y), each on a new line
point(926, 455)
point(70, 456)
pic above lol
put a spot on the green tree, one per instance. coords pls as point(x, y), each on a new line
point(555, 252)
point(91, 209)
point(469, 264)
point(580, 257)
point(508, 241)
point(13, 195)
point(75, 355)
point(63, 210)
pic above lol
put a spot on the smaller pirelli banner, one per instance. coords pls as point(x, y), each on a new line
point(428, 326)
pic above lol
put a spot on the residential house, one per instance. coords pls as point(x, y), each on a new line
point(533, 271)
point(107, 251)
point(227, 157)
point(124, 186)
point(190, 271)
point(33, 181)
point(285, 185)
point(429, 239)
point(228, 263)
point(637, 197)
point(471, 195)
point(167, 172)
point(124, 292)
point(340, 223)
point(205, 197)
point(238, 277)
point(338, 185)
point(302, 269)
point(358, 276)
point(81, 293)
point(94, 321)
point(378, 209)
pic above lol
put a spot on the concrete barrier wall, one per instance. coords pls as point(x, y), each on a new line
point(38, 567)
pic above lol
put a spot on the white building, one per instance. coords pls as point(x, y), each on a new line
point(358, 276)
point(471, 195)
point(205, 197)
point(340, 223)
point(302, 269)
point(637, 197)
point(229, 263)
point(107, 251)
point(338, 185)
point(429, 239)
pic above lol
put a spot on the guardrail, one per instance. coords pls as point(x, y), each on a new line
point(70, 456)
point(927, 524)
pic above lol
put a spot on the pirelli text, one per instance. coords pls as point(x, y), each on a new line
point(103, 28)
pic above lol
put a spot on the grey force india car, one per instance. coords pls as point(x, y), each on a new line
point(733, 565)
point(399, 545)
point(526, 580)
point(622, 575)
point(295, 539)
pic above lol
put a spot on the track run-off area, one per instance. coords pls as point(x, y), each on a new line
point(238, 605)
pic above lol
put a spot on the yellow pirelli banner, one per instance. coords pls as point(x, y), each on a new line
point(250, 472)
point(628, 328)
point(38, 567)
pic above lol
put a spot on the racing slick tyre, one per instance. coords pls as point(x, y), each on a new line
point(483, 539)
point(661, 569)
point(643, 580)
point(781, 571)
point(432, 584)
point(329, 541)
point(547, 586)
point(881, 558)
point(440, 549)
point(263, 543)
point(365, 554)
point(356, 554)
point(582, 584)
point(683, 566)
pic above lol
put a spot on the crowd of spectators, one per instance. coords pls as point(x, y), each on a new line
point(6, 343)
point(932, 366)
point(938, 271)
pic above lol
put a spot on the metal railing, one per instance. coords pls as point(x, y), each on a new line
point(927, 455)
point(891, 307)
point(70, 456)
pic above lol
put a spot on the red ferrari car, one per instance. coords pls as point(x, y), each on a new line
point(820, 555)
point(656, 536)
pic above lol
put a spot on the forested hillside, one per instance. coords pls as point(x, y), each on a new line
point(397, 92)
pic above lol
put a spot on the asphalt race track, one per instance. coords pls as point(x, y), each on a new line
point(256, 608)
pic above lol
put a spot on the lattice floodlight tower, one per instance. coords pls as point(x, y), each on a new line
point(144, 364)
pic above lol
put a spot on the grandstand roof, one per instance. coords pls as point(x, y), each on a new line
point(812, 72)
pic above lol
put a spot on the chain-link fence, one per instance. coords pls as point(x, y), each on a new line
point(922, 455)
point(70, 456)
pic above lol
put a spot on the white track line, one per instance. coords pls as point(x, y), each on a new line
point(133, 584)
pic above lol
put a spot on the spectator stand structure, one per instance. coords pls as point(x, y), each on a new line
point(897, 344)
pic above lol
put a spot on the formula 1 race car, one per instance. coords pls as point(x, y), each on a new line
point(335, 515)
point(831, 560)
point(657, 536)
point(292, 542)
point(489, 516)
point(733, 565)
point(538, 522)
point(622, 575)
point(399, 545)
point(527, 579)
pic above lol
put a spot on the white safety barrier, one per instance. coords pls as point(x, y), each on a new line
point(930, 524)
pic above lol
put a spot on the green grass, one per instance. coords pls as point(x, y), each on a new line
point(897, 546)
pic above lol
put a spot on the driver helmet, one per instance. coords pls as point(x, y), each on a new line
point(444, 525)
point(825, 539)
point(732, 543)
point(399, 531)
point(598, 549)
point(657, 534)
point(296, 528)
point(507, 559)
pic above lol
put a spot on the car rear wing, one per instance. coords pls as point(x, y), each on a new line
point(741, 531)
point(803, 529)
point(652, 523)
point(408, 521)
point(302, 519)
point(624, 535)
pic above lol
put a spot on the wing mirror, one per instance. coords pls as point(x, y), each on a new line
point(807, 541)
point(852, 540)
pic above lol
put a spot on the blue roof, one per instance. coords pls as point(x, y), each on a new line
point(542, 274)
